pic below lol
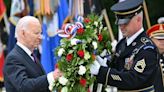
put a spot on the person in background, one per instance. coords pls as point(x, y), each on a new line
point(19, 9)
point(156, 33)
point(22, 70)
point(135, 64)
point(161, 20)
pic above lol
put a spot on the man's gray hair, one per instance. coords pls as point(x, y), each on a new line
point(141, 14)
point(23, 24)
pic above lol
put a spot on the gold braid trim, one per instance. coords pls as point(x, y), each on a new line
point(128, 12)
point(107, 75)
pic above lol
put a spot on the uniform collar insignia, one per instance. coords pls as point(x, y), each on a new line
point(144, 40)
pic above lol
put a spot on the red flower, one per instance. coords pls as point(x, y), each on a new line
point(100, 37)
point(83, 82)
point(69, 57)
point(81, 53)
point(56, 66)
point(86, 20)
point(80, 31)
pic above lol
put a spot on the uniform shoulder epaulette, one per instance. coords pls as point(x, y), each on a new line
point(145, 40)
point(148, 44)
point(149, 47)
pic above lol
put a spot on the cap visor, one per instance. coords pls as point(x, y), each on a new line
point(159, 37)
point(122, 21)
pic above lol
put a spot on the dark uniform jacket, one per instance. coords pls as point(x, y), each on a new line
point(133, 67)
point(159, 87)
point(22, 74)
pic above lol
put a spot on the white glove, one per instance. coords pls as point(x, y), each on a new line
point(101, 61)
point(114, 43)
point(94, 69)
point(104, 53)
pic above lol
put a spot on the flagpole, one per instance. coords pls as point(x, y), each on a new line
point(74, 8)
point(69, 18)
point(6, 23)
point(108, 24)
point(146, 14)
point(113, 40)
point(82, 8)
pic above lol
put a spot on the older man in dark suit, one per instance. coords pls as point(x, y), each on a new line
point(22, 71)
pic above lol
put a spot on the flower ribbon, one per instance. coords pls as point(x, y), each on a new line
point(69, 30)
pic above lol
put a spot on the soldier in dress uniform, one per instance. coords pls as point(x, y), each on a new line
point(135, 63)
point(156, 33)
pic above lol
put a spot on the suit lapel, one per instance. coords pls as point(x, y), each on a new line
point(40, 65)
point(28, 59)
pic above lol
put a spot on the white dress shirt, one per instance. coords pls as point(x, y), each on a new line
point(133, 37)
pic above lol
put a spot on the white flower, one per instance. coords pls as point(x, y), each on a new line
point(64, 89)
point(60, 52)
point(94, 44)
point(63, 80)
point(74, 41)
point(82, 70)
point(96, 23)
point(101, 27)
point(87, 55)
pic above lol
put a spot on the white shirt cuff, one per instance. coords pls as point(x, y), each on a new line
point(51, 80)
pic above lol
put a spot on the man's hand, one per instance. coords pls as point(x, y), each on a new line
point(52, 77)
point(57, 73)
point(95, 68)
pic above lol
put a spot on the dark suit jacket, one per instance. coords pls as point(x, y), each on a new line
point(22, 74)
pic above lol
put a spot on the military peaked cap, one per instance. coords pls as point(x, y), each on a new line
point(125, 10)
